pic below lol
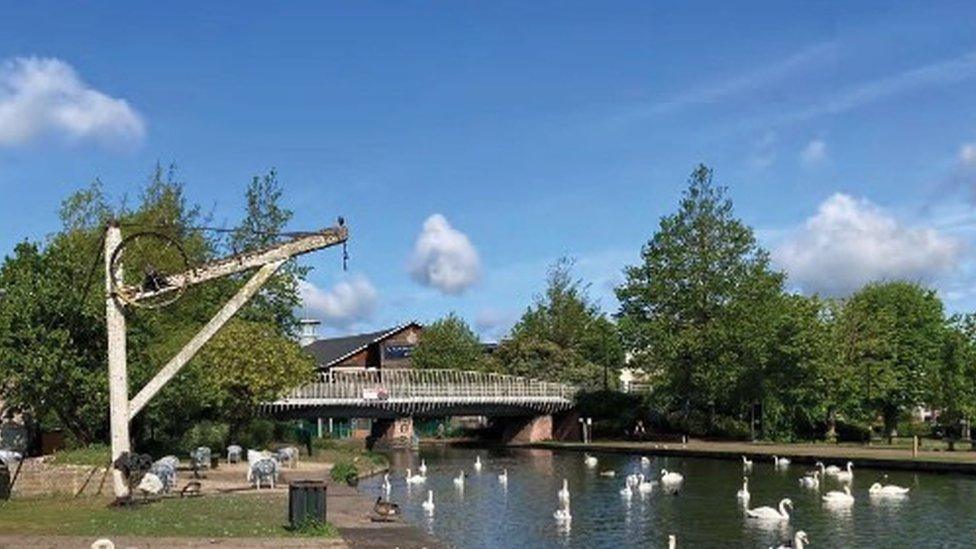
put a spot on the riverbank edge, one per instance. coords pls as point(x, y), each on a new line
point(809, 455)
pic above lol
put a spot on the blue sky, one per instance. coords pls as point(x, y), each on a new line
point(847, 134)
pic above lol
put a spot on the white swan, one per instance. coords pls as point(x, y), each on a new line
point(423, 467)
point(627, 491)
point(671, 477)
point(810, 481)
point(672, 541)
point(877, 489)
point(800, 540)
point(386, 483)
point(644, 486)
point(645, 461)
point(780, 462)
point(415, 479)
point(743, 493)
point(429, 504)
point(477, 463)
point(562, 514)
point(589, 460)
point(831, 470)
point(846, 476)
point(836, 496)
point(746, 464)
point(768, 513)
point(633, 480)
point(608, 473)
point(459, 480)
point(564, 493)
point(503, 477)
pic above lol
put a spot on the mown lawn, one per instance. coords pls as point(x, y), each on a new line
point(232, 515)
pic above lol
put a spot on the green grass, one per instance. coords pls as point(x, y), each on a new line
point(233, 515)
point(96, 454)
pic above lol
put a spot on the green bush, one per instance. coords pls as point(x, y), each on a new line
point(257, 434)
point(324, 443)
point(345, 471)
point(206, 433)
point(910, 428)
point(729, 428)
point(852, 431)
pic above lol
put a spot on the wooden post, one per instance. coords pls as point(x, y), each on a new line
point(118, 381)
point(915, 446)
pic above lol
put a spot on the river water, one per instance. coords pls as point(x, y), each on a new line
point(940, 511)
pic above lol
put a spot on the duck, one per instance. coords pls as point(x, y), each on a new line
point(386, 483)
point(429, 504)
point(810, 480)
point(564, 493)
point(768, 513)
point(746, 464)
point(877, 489)
point(477, 463)
point(671, 477)
point(589, 460)
point(415, 479)
point(423, 467)
point(645, 461)
point(743, 493)
point(836, 496)
point(799, 541)
point(459, 480)
point(503, 477)
point(780, 462)
point(846, 476)
point(385, 508)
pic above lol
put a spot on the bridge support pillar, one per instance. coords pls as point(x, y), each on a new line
point(520, 430)
point(391, 434)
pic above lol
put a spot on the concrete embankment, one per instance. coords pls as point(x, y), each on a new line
point(960, 462)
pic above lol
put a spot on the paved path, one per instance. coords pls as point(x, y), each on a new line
point(865, 456)
point(125, 542)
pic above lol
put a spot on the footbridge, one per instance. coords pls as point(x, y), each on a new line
point(397, 395)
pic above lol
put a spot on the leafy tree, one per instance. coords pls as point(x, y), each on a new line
point(953, 387)
point(449, 343)
point(698, 311)
point(892, 338)
point(563, 336)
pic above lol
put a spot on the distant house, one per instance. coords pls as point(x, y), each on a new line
point(389, 348)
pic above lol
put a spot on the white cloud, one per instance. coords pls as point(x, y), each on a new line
point(851, 242)
point(967, 154)
point(40, 96)
point(815, 152)
point(348, 302)
point(444, 258)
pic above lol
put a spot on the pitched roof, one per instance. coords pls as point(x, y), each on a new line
point(328, 352)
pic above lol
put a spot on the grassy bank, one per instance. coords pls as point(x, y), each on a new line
point(240, 515)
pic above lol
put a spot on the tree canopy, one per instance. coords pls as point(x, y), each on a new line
point(449, 343)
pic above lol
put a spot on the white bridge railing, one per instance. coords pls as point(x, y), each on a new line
point(408, 391)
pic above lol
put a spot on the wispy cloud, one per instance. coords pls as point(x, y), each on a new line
point(814, 152)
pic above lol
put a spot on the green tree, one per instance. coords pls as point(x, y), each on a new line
point(953, 387)
point(699, 310)
point(563, 336)
point(892, 337)
point(449, 343)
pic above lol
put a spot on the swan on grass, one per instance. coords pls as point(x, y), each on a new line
point(746, 464)
point(836, 496)
point(423, 467)
point(415, 479)
point(429, 504)
point(563, 493)
point(743, 493)
point(459, 480)
point(846, 476)
point(877, 489)
point(768, 513)
point(671, 477)
point(780, 462)
point(589, 460)
point(810, 480)
point(477, 463)
point(800, 540)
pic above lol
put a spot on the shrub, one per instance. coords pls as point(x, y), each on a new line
point(257, 434)
point(345, 471)
point(324, 443)
point(730, 428)
point(206, 433)
point(852, 431)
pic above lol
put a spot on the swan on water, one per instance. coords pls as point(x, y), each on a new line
point(608, 473)
point(503, 477)
point(644, 486)
point(562, 515)
point(672, 541)
point(386, 483)
point(564, 493)
point(846, 476)
point(836, 496)
point(633, 480)
point(627, 491)
point(768, 513)
point(671, 477)
point(780, 462)
point(429, 504)
point(743, 493)
point(877, 489)
point(831, 470)
point(810, 480)
point(423, 467)
point(799, 541)
point(477, 463)
point(415, 479)
point(459, 480)
point(645, 461)
point(589, 460)
point(746, 464)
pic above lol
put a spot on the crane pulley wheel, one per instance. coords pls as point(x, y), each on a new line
point(141, 264)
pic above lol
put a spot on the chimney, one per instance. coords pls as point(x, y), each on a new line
point(308, 331)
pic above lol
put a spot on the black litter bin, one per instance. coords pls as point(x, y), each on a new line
point(4, 481)
point(306, 502)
